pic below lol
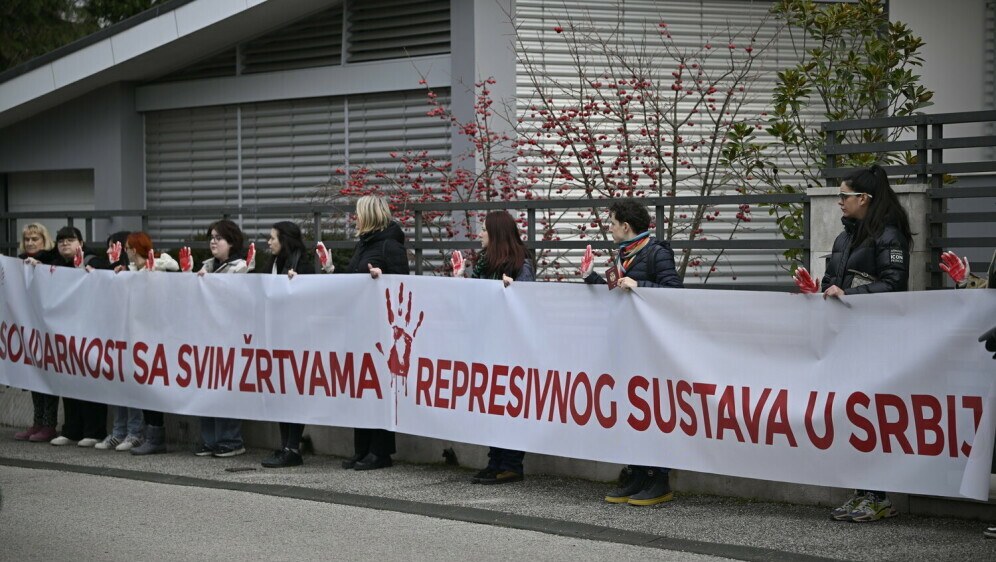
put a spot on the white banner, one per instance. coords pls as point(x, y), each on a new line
point(890, 392)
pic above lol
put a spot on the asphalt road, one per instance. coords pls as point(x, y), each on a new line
point(68, 503)
point(51, 515)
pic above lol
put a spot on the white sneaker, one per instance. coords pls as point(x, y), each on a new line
point(61, 440)
point(129, 442)
point(109, 442)
point(87, 442)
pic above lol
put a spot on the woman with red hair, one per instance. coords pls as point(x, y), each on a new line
point(141, 257)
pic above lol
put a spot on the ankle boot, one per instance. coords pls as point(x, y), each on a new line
point(657, 490)
point(155, 441)
point(634, 479)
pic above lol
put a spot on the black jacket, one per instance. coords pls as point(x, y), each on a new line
point(295, 261)
point(652, 267)
point(384, 249)
point(885, 258)
point(89, 258)
point(47, 257)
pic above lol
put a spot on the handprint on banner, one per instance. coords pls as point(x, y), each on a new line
point(398, 360)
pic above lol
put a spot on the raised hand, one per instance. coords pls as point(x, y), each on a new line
point(251, 257)
point(324, 258)
point(78, 258)
point(805, 281)
point(114, 252)
point(150, 261)
point(186, 262)
point(587, 261)
point(956, 268)
point(457, 262)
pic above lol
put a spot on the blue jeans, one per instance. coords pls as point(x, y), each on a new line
point(127, 421)
point(221, 432)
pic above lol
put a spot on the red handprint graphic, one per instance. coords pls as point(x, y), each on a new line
point(398, 360)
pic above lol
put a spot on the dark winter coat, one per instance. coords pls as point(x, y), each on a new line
point(89, 258)
point(384, 249)
point(652, 267)
point(47, 257)
point(295, 261)
point(885, 259)
point(526, 273)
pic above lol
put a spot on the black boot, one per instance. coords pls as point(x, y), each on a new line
point(351, 461)
point(372, 462)
point(657, 490)
point(634, 479)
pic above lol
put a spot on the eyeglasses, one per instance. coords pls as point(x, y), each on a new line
point(845, 194)
point(65, 240)
point(217, 238)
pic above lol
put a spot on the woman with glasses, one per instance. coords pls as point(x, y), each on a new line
point(221, 437)
point(85, 423)
point(870, 256)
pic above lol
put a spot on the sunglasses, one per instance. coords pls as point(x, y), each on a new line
point(845, 194)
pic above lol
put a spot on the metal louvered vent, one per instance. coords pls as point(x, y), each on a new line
point(391, 29)
point(628, 26)
point(311, 42)
point(222, 64)
point(264, 154)
point(191, 159)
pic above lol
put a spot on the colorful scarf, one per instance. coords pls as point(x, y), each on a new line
point(481, 267)
point(628, 250)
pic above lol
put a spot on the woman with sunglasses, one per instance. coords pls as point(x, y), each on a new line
point(870, 256)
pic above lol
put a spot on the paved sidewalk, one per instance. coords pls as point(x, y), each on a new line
point(709, 525)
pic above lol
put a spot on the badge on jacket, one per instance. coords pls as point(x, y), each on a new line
point(896, 256)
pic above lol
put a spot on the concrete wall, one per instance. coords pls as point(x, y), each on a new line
point(100, 131)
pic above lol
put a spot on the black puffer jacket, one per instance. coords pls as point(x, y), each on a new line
point(652, 267)
point(885, 258)
point(384, 249)
point(89, 258)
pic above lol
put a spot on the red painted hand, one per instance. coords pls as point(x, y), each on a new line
point(805, 281)
point(323, 254)
point(150, 261)
point(956, 268)
point(114, 252)
point(186, 262)
point(251, 257)
point(457, 262)
point(78, 258)
point(587, 261)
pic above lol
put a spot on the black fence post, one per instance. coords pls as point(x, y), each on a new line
point(418, 242)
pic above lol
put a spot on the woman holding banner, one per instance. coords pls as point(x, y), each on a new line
point(503, 256)
point(221, 437)
point(287, 257)
point(37, 247)
point(380, 249)
point(870, 256)
point(142, 257)
point(642, 261)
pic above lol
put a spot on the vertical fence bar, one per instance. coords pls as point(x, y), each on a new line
point(921, 153)
point(316, 219)
point(807, 233)
point(660, 211)
point(937, 206)
point(530, 226)
point(418, 242)
point(832, 141)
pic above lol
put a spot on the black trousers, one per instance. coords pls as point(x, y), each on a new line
point(290, 435)
point(377, 441)
point(46, 409)
point(154, 418)
point(84, 419)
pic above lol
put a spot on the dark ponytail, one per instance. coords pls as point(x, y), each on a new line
point(883, 208)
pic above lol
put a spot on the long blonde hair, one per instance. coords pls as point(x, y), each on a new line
point(372, 214)
point(36, 228)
